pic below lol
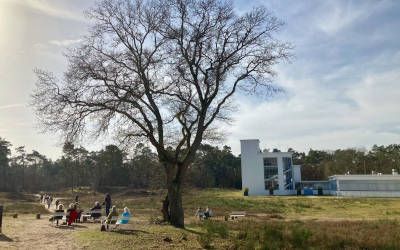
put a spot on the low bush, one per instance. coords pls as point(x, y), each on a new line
point(205, 240)
point(216, 228)
point(246, 192)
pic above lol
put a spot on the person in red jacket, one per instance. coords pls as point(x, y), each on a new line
point(72, 214)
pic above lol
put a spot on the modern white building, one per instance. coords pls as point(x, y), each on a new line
point(273, 173)
point(265, 173)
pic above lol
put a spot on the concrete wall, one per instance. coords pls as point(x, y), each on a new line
point(296, 173)
point(252, 167)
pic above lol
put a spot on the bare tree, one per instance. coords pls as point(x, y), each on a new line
point(164, 71)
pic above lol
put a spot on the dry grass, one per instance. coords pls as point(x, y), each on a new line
point(21, 203)
point(272, 223)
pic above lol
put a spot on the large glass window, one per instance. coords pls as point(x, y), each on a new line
point(288, 172)
point(272, 183)
point(270, 161)
point(287, 163)
point(271, 173)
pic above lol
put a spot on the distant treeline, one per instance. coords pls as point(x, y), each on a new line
point(23, 171)
point(213, 167)
point(318, 164)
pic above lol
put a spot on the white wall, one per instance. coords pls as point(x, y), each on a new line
point(296, 173)
point(252, 167)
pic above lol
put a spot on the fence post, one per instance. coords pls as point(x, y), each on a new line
point(1, 217)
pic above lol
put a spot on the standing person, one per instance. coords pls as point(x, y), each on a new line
point(107, 202)
point(77, 198)
point(48, 201)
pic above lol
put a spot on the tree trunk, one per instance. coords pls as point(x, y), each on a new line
point(174, 173)
point(176, 215)
point(165, 209)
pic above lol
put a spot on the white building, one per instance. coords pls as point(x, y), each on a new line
point(265, 172)
point(374, 185)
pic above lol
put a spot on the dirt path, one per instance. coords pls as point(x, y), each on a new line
point(26, 232)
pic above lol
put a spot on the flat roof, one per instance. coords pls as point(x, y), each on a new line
point(365, 177)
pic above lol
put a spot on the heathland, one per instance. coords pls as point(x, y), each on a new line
point(271, 222)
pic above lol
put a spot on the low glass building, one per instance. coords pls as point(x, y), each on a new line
point(374, 185)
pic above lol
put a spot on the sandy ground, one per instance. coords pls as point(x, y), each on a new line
point(26, 232)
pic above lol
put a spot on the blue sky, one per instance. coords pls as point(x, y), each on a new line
point(342, 87)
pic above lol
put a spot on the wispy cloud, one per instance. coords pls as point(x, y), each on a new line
point(47, 7)
point(10, 106)
point(65, 43)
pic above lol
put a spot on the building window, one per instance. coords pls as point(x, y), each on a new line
point(288, 173)
point(287, 163)
point(270, 172)
point(270, 161)
point(272, 183)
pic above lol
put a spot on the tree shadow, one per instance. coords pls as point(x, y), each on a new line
point(192, 231)
point(79, 226)
point(129, 231)
point(5, 238)
point(64, 226)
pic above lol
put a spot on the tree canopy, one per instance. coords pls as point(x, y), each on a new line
point(162, 71)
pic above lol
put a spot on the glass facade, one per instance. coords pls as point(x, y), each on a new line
point(271, 173)
point(288, 173)
point(271, 161)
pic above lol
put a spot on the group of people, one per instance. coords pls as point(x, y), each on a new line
point(46, 199)
point(204, 214)
point(74, 212)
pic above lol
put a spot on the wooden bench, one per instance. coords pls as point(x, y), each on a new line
point(57, 216)
point(93, 214)
point(237, 214)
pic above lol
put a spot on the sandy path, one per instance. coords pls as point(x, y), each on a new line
point(26, 232)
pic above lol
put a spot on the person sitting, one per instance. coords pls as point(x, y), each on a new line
point(112, 216)
point(208, 213)
point(95, 212)
point(125, 216)
point(72, 214)
point(58, 214)
point(200, 213)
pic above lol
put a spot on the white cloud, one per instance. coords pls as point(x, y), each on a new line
point(315, 115)
point(10, 106)
point(65, 43)
point(333, 16)
point(47, 7)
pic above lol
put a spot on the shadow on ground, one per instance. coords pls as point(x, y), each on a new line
point(69, 227)
point(5, 238)
point(129, 231)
